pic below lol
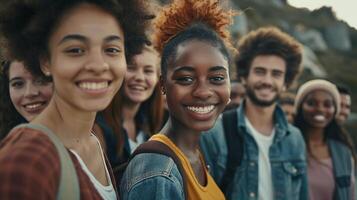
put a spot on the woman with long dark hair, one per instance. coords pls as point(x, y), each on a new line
point(331, 158)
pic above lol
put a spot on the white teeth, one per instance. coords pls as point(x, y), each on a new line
point(33, 106)
point(319, 117)
point(137, 87)
point(201, 110)
point(93, 86)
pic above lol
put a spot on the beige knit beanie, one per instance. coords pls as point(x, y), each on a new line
point(317, 84)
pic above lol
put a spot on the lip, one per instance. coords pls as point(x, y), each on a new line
point(35, 107)
point(137, 87)
point(319, 118)
point(94, 86)
point(201, 112)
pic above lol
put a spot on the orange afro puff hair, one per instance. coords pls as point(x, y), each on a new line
point(182, 13)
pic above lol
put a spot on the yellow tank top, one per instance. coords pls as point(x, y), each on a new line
point(195, 190)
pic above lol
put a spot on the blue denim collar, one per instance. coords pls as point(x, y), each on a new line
point(281, 123)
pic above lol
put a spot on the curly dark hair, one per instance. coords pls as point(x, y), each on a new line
point(269, 41)
point(26, 25)
point(9, 117)
point(187, 20)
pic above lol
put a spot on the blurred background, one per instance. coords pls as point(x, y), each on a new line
point(327, 29)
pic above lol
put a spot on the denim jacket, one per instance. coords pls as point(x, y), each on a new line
point(287, 158)
point(145, 179)
point(343, 170)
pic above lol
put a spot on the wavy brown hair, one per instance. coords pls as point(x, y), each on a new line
point(269, 41)
point(151, 110)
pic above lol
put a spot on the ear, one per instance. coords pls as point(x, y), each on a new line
point(162, 85)
point(45, 66)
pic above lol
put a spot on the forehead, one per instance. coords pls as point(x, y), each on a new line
point(345, 98)
point(89, 20)
point(195, 53)
point(18, 69)
point(237, 87)
point(148, 56)
point(269, 62)
point(320, 95)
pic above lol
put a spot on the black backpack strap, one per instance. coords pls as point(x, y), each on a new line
point(234, 146)
point(157, 147)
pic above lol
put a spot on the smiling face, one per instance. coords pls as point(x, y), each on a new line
point(265, 80)
point(345, 108)
point(197, 86)
point(29, 94)
point(318, 109)
point(237, 95)
point(87, 58)
point(142, 76)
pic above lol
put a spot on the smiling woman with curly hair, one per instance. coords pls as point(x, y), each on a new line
point(83, 46)
point(192, 38)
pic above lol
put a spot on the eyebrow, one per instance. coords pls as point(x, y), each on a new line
point(15, 79)
point(85, 39)
point(217, 68)
point(184, 68)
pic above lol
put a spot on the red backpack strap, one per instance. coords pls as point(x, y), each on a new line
point(157, 147)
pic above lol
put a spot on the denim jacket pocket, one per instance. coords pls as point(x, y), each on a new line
point(295, 168)
point(294, 174)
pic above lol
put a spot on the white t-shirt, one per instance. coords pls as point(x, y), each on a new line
point(140, 138)
point(265, 184)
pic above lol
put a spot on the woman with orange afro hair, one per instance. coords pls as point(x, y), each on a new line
point(191, 36)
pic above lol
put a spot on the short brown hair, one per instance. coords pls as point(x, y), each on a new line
point(269, 41)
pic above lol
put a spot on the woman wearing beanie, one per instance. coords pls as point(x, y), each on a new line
point(331, 158)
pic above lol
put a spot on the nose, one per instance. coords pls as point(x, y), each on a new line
point(202, 90)
point(139, 75)
point(31, 91)
point(267, 79)
point(96, 62)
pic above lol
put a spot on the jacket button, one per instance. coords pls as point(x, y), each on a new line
point(252, 195)
point(252, 164)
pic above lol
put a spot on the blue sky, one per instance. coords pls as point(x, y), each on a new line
point(345, 9)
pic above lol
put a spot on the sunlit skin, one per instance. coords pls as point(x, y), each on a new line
point(142, 76)
point(30, 95)
point(264, 83)
point(318, 111)
point(87, 62)
point(140, 81)
point(197, 90)
point(345, 108)
point(237, 95)
point(265, 80)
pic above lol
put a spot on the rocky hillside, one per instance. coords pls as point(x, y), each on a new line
point(330, 45)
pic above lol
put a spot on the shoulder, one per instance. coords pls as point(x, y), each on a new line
point(29, 161)
point(150, 167)
point(27, 142)
point(339, 147)
point(295, 135)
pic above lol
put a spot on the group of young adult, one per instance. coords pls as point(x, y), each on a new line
point(85, 76)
